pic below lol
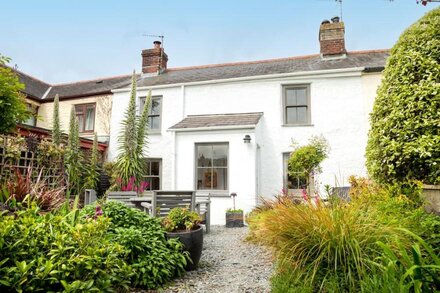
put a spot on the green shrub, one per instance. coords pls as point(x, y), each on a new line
point(53, 253)
point(304, 160)
point(154, 259)
point(405, 133)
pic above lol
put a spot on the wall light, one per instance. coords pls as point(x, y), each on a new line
point(247, 138)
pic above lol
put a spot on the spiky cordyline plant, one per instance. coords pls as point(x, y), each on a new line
point(92, 172)
point(132, 140)
point(73, 160)
point(56, 127)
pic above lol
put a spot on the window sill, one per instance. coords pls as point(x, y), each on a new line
point(211, 193)
point(298, 125)
point(155, 132)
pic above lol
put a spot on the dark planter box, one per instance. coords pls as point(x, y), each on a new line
point(192, 242)
point(234, 220)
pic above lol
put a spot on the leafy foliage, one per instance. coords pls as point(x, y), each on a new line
point(405, 133)
point(132, 140)
point(304, 160)
point(154, 259)
point(12, 103)
point(180, 219)
point(53, 253)
point(56, 126)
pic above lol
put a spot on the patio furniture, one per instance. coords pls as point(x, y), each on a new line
point(122, 196)
point(142, 203)
point(203, 208)
point(165, 200)
point(89, 196)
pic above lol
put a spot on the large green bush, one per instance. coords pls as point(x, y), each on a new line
point(55, 253)
point(404, 138)
point(154, 259)
point(12, 103)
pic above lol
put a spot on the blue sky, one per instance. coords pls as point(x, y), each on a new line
point(61, 41)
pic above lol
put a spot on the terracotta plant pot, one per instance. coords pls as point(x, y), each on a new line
point(192, 242)
point(234, 219)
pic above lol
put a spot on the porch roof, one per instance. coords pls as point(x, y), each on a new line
point(218, 120)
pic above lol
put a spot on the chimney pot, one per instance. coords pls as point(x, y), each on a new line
point(157, 44)
point(335, 19)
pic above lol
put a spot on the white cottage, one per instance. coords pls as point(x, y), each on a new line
point(226, 128)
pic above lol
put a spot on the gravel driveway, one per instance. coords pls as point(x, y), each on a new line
point(227, 265)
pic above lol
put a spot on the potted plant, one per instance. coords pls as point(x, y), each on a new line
point(184, 225)
point(234, 217)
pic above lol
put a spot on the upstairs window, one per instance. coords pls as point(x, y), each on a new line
point(296, 105)
point(154, 115)
point(85, 113)
point(32, 120)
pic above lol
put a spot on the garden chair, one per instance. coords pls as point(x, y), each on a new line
point(122, 196)
point(203, 208)
point(165, 200)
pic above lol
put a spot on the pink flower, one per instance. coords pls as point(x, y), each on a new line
point(304, 195)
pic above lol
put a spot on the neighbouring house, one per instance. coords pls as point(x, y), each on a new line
point(91, 99)
point(226, 128)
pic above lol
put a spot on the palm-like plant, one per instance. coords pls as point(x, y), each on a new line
point(56, 126)
point(73, 160)
point(92, 172)
point(133, 140)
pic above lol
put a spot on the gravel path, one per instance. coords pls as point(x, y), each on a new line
point(227, 265)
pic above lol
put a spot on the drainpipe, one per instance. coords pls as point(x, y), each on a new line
point(182, 88)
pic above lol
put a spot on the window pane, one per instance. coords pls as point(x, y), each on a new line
point(290, 97)
point(154, 168)
point(301, 96)
point(291, 115)
point(79, 110)
point(219, 178)
point(301, 114)
point(204, 155)
point(147, 168)
point(154, 122)
point(90, 118)
point(204, 178)
point(155, 183)
point(155, 107)
point(80, 122)
point(219, 154)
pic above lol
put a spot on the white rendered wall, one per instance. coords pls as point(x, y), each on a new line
point(339, 110)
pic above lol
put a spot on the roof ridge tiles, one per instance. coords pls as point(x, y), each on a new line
point(270, 60)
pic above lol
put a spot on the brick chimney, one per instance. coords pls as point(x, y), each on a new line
point(154, 60)
point(332, 38)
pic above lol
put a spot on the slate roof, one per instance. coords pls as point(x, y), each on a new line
point(88, 87)
point(368, 59)
point(212, 120)
point(34, 88)
point(42, 91)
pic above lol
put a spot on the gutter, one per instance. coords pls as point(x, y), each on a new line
point(353, 71)
point(211, 128)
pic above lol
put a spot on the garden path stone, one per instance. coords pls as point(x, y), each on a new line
point(228, 264)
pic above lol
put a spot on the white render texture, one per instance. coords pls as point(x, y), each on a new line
point(340, 104)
